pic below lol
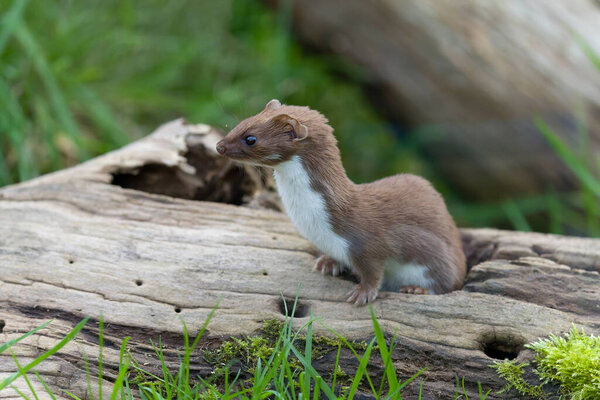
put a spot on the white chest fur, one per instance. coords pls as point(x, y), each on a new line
point(307, 209)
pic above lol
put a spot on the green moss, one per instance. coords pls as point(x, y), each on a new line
point(334, 342)
point(513, 374)
point(249, 349)
point(272, 328)
point(572, 362)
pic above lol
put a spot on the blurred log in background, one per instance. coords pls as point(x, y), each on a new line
point(477, 73)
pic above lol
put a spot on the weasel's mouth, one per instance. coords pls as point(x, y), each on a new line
point(236, 155)
point(243, 158)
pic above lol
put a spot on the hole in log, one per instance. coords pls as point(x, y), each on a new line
point(2, 325)
point(216, 179)
point(177, 310)
point(71, 261)
point(265, 273)
point(139, 282)
point(502, 348)
point(476, 253)
point(286, 306)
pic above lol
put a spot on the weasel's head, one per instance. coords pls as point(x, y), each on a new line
point(274, 135)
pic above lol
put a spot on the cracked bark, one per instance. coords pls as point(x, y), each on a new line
point(73, 244)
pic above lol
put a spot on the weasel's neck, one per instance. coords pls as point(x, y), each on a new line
point(316, 201)
point(320, 173)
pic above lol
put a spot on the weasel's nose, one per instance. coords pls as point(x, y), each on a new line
point(221, 147)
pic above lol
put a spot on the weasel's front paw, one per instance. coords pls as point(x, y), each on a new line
point(328, 266)
point(360, 295)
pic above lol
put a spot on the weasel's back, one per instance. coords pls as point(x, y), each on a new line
point(407, 199)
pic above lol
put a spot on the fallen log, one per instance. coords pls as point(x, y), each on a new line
point(160, 230)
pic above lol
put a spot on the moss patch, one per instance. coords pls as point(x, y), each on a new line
point(572, 362)
point(242, 354)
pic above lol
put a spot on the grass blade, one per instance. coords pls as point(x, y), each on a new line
point(362, 367)
point(59, 103)
point(317, 391)
point(13, 122)
point(102, 115)
point(45, 385)
point(23, 395)
point(24, 375)
point(516, 216)
point(480, 389)
point(304, 390)
point(205, 325)
point(569, 158)
point(590, 53)
point(308, 353)
point(403, 384)
point(10, 20)
point(383, 350)
point(101, 347)
point(87, 376)
point(12, 342)
point(310, 369)
point(335, 369)
point(123, 368)
point(555, 214)
point(44, 356)
point(349, 346)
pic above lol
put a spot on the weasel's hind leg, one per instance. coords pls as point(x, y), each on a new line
point(328, 266)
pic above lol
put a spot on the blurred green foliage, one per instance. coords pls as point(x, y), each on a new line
point(78, 78)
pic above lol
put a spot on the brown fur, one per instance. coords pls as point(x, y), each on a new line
point(401, 216)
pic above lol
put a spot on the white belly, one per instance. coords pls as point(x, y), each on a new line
point(397, 275)
point(308, 211)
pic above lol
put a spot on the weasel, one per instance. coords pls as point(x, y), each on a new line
point(393, 234)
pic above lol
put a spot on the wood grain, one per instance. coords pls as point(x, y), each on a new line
point(73, 245)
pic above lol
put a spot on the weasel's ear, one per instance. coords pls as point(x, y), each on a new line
point(300, 131)
point(272, 105)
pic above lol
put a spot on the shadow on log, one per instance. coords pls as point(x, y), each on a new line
point(131, 235)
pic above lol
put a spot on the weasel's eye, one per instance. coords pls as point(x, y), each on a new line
point(250, 140)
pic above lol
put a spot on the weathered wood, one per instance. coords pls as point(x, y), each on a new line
point(73, 245)
point(472, 75)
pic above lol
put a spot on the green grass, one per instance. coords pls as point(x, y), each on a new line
point(588, 175)
point(286, 371)
point(80, 78)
